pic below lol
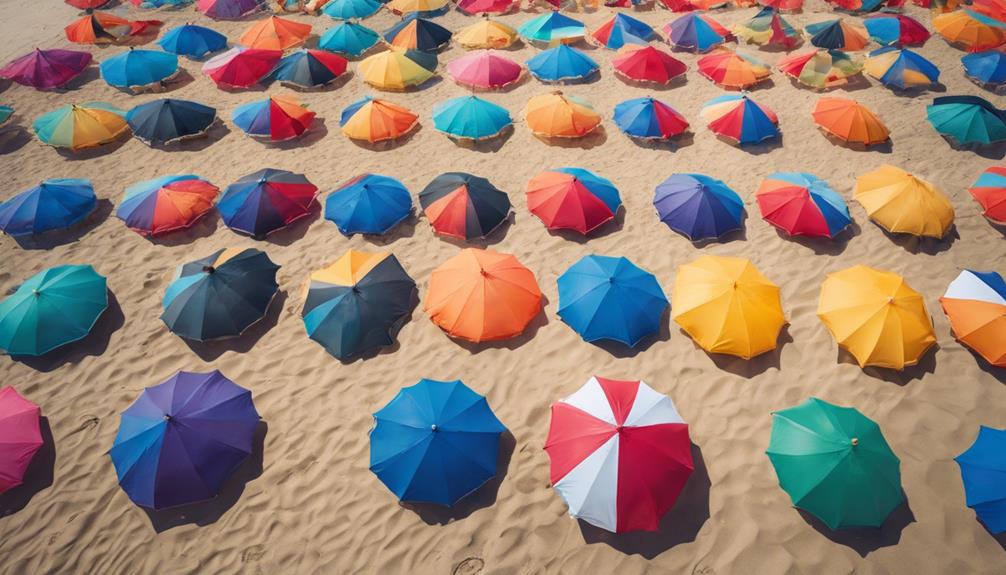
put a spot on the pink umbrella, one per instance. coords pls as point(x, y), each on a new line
point(487, 6)
point(46, 69)
point(485, 70)
point(19, 428)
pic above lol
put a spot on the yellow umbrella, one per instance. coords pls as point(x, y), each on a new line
point(486, 34)
point(876, 317)
point(397, 69)
point(555, 115)
point(427, 7)
point(903, 203)
point(727, 306)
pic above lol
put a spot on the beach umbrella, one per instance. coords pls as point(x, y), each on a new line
point(275, 33)
point(482, 295)
point(374, 120)
point(729, 69)
point(46, 69)
point(180, 440)
point(986, 68)
point(309, 69)
point(698, 207)
point(435, 442)
point(167, 120)
point(835, 464)
point(349, 39)
point(768, 28)
point(268, 200)
point(555, 115)
point(106, 28)
point(901, 68)
point(192, 41)
point(139, 69)
point(397, 69)
point(622, 29)
point(727, 306)
point(166, 204)
point(86, 4)
point(471, 118)
point(802, 204)
point(967, 120)
point(572, 199)
point(896, 30)
point(414, 33)
point(552, 28)
point(619, 454)
point(221, 295)
point(54, 204)
point(876, 316)
point(903, 203)
point(969, 30)
point(562, 64)
point(647, 64)
point(602, 297)
point(783, 5)
point(838, 34)
point(820, 68)
point(355, 304)
point(351, 9)
point(228, 9)
point(975, 304)
point(982, 468)
point(241, 67)
point(22, 437)
point(52, 308)
point(423, 8)
point(740, 119)
point(849, 121)
point(369, 204)
point(647, 118)
point(486, 33)
point(995, 9)
point(278, 118)
point(6, 112)
point(473, 7)
point(989, 190)
point(485, 70)
point(80, 126)
point(696, 32)
point(463, 206)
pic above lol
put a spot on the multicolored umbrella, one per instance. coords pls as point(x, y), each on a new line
point(369, 204)
point(485, 70)
point(966, 120)
point(414, 33)
point(986, 69)
point(989, 190)
point(397, 69)
point(474, 7)
point(835, 464)
point(86, 4)
point(562, 64)
point(374, 120)
point(821, 68)
point(698, 206)
point(619, 454)
point(54, 204)
point(275, 33)
point(696, 32)
point(572, 199)
point(168, 120)
point(849, 121)
point(768, 28)
point(802, 204)
point(486, 33)
point(647, 118)
point(139, 69)
point(740, 119)
point(901, 68)
point(896, 30)
point(192, 41)
point(555, 115)
point(903, 203)
point(52, 308)
point(783, 5)
point(241, 67)
point(268, 200)
point(975, 305)
point(647, 64)
point(80, 126)
point(482, 295)
point(355, 305)
point(729, 69)
point(435, 442)
point(970, 30)
point(838, 34)
point(46, 69)
point(622, 29)
point(602, 297)
point(180, 440)
point(309, 69)
point(228, 9)
point(471, 118)
point(981, 473)
point(552, 28)
point(349, 38)
point(876, 316)
point(221, 295)
point(106, 28)
point(22, 437)
point(278, 118)
point(423, 8)
point(351, 9)
point(166, 204)
point(464, 206)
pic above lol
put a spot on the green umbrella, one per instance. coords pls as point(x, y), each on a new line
point(834, 463)
point(52, 308)
point(967, 120)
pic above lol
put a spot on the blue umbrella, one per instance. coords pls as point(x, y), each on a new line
point(988, 68)
point(649, 118)
point(192, 41)
point(697, 206)
point(369, 204)
point(419, 34)
point(351, 9)
point(550, 28)
point(470, 118)
point(168, 120)
point(622, 29)
point(562, 63)
point(52, 205)
point(983, 468)
point(603, 297)
point(349, 38)
point(309, 68)
point(139, 68)
point(435, 442)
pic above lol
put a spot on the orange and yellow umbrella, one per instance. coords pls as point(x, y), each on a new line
point(970, 30)
point(420, 7)
point(275, 33)
point(730, 69)
point(79, 126)
point(485, 34)
point(850, 121)
point(374, 120)
point(903, 203)
point(555, 115)
point(397, 69)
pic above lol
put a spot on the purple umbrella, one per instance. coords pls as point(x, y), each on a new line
point(46, 69)
point(698, 206)
point(182, 439)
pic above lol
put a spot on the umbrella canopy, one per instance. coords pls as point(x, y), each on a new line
point(86, 4)
point(192, 41)
point(471, 118)
point(80, 126)
point(54, 307)
point(106, 28)
point(166, 204)
point(975, 304)
point(354, 305)
point(802, 204)
point(485, 70)
point(729, 69)
point(647, 64)
point(989, 190)
point(435, 442)
point(838, 34)
point(572, 199)
point(995, 9)
point(619, 454)
point(180, 440)
point(54, 204)
point(268, 200)
point(241, 67)
point(22, 437)
point(982, 467)
point(309, 69)
point(698, 207)
point(228, 9)
point(850, 121)
point(418, 7)
point(351, 9)
point(168, 120)
point(696, 32)
point(486, 33)
point(275, 33)
point(902, 203)
point(552, 28)
point(397, 69)
point(46, 69)
point(896, 29)
point(821, 68)
point(374, 120)
point(647, 118)
point(876, 316)
point(768, 28)
point(464, 206)
point(221, 295)
point(970, 30)
point(414, 33)
point(278, 118)
point(622, 29)
point(139, 69)
point(349, 39)
point(783, 5)
point(562, 64)
point(835, 464)
point(901, 68)
point(986, 68)
point(740, 119)
point(6, 112)
point(602, 297)
point(369, 204)
point(473, 7)
point(967, 120)
point(482, 295)
point(555, 115)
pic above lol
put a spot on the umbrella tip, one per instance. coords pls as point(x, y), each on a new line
point(433, 427)
point(855, 441)
point(167, 417)
point(35, 292)
point(209, 269)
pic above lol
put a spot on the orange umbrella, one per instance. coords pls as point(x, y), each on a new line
point(275, 33)
point(104, 28)
point(970, 30)
point(555, 115)
point(482, 295)
point(730, 69)
point(850, 121)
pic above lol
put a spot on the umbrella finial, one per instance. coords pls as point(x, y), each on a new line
point(433, 427)
point(35, 292)
point(167, 417)
point(855, 441)
point(209, 269)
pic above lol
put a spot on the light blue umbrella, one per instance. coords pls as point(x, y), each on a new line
point(470, 118)
point(351, 9)
point(562, 64)
point(192, 41)
point(349, 38)
point(139, 68)
point(369, 204)
point(551, 28)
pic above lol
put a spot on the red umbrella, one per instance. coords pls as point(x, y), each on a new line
point(487, 6)
point(86, 4)
point(647, 64)
point(241, 67)
point(21, 437)
point(572, 198)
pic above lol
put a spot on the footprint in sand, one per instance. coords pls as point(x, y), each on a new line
point(469, 566)
point(253, 553)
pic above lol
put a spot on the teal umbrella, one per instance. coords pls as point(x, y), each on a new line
point(54, 307)
point(967, 120)
point(470, 118)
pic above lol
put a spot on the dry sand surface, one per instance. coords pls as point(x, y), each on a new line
point(306, 503)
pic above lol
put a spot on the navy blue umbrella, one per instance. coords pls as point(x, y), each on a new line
point(52, 205)
point(169, 120)
point(309, 68)
point(414, 33)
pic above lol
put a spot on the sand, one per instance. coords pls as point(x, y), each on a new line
point(306, 502)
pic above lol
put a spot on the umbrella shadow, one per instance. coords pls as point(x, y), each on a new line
point(37, 478)
point(95, 152)
point(680, 525)
point(865, 540)
point(317, 131)
point(926, 364)
point(48, 240)
point(924, 245)
point(86, 76)
point(917, 92)
point(592, 140)
point(999, 373)
point(482, 497)
point(824, 246)
point(757, 365)
point(670, 144)
point(203, 227)
point(336, 83)
point(679, 81)
point(882, 148)
point(537, 322)
point(296, 229)
point(181, 79)
point(211, 350)
point(13, 139)
point(996, 151)
point(216, 132)
point(854, 84)
point(758, 148)
point(605, 229)
point(207, 512)
point(621, 350)
point(486, 146)
point(402, 230)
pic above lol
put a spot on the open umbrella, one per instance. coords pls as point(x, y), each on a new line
point(46, 69)
point(622, 29)
point(369, 204)
point(783, 5)
point(821, 68)
point(619, 454)
point(192, 41)
point(53, 204)
point(696, 32)
point(241, 67)
point(168, 120)
point(423, 8)
point(351, 9)
point(375, 120)
point(970, 30)
point(850, 121)
point(106, 28)
point(414, 33)
point(349, 39)
point(86, 4)
point(733, 70)
point(6, 113)
point(228, 9)
point(471, 118)
point(647, 118)
point(166, 204)
point(901, 68)
point(835, 464)
point(986, 68)
point(139, 69)
point(768, 28)
point(602, 297)
point(698, 206)
point(647, 64)
point(989, 190)
point(995, 9)
point(80, 126)
point(838, 34)
point(52, 308)
point(482, 295)
point(555, 115)
point(552, 28)
point(22, 437)
point(309, 69)
point(397, 69)
point(802, 204)
point(562, 64)
point(903, 203)
point(896, 29)
point(275, 33)
point(573, 199)
point(475, 7)
point(975, 304)
point(740, 119)
point(268, 200)
point(485, 70)
point(486, 33)
point(278, 118)
point(982, 467)
point(464, 206)
point(967, 120)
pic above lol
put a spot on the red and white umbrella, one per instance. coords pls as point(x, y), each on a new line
point(620, 454)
